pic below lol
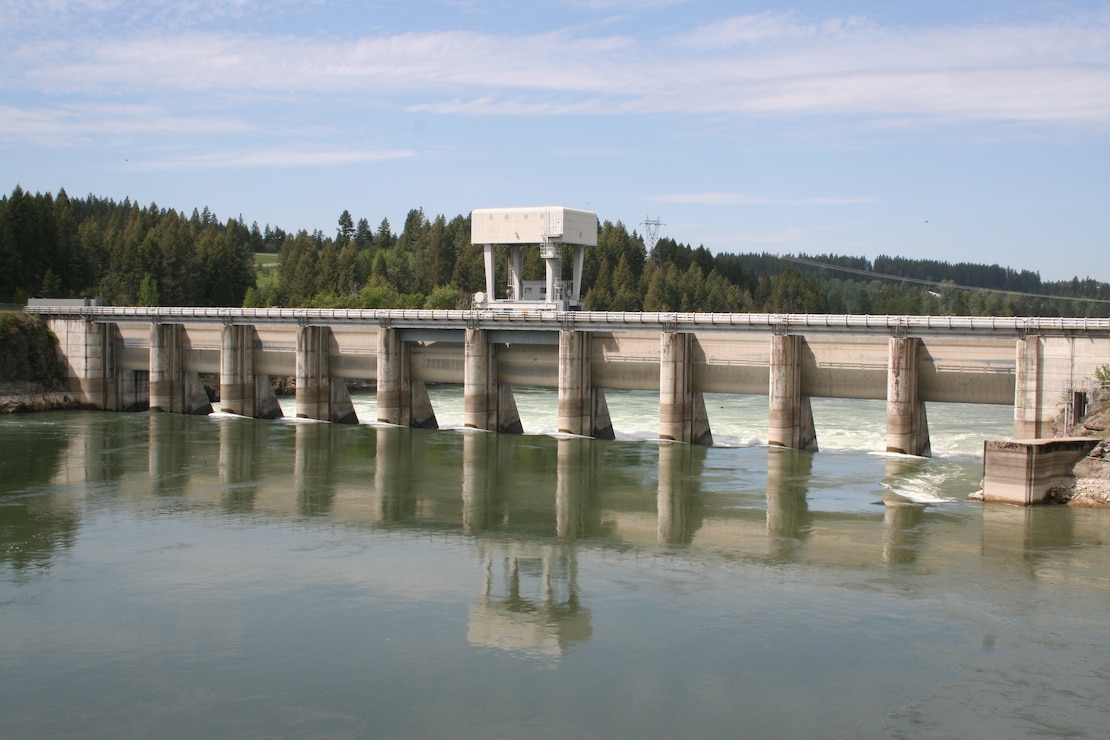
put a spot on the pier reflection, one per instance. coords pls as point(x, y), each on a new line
point(577, 510)
point(319, 450)
point(678, 501)
point(239, 467)
point(903, 519)
point(789, 522)
point(763, 504)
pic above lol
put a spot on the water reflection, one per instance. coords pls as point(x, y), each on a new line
point(529, 600)
point(239, 466)
point(481, 464)
point(319, 447)
point(678, 500)
point(630, 564)
point(170, 450)
point(524, 489)
point(577, 508)
point(789, 522)
point(903, 519)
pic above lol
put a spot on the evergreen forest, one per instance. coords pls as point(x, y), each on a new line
point(127, 254)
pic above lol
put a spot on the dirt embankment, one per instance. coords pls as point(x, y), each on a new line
point(32, 377)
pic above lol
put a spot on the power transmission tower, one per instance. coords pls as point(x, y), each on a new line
point(651, 230)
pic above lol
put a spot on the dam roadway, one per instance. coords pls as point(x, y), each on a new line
point(121, 358)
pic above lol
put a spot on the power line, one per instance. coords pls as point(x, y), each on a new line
point(935, 283)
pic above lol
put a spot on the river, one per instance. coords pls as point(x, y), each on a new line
point(179, 576)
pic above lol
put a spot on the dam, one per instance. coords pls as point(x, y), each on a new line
point(126, 358)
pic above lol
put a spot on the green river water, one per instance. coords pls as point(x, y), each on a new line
point(167, 576)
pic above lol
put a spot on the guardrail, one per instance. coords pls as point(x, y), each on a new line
point(548, 320)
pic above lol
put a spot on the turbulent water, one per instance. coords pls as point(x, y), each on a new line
point(188, 576)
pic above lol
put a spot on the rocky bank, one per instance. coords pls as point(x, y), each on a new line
point(1091, 483)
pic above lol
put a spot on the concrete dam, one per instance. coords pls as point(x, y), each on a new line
point(123, 358)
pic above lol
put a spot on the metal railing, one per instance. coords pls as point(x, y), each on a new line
point(546, 320)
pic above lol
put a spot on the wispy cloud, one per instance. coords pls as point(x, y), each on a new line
point(68, 124)
point(746, 199)
point(273, 158)
point(769, 64)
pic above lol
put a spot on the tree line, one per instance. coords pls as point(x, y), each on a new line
point(126, 254)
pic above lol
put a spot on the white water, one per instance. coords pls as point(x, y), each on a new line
point(957, 431)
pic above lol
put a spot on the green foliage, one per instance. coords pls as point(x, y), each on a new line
point(62, 247)
point(148, 292)
point(28, 349)
point(56, 246)
point(444, 297)
point(1102, 373)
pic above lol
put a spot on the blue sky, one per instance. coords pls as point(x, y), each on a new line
point(959, 131)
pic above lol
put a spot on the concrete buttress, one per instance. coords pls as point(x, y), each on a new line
point(487, 404)
point(790, 423)
point(682, 415)
point(907, 426)
point(401, 400)
point(242, 391)
point(319, 396)
point(582, 408)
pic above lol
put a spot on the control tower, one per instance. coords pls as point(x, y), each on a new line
point(549, 228)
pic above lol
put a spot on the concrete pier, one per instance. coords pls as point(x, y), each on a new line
point(401, 400)
point(582, 408)
point(319, 396)
point(1028, 386)
point(682, 415)
point(172, 389)
point(1024, 471)
point(242, 391)
point(166, 383)
point(487, 404)
point(907, 427)
point(790, 423)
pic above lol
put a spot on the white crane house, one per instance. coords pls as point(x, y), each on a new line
point(551, 229)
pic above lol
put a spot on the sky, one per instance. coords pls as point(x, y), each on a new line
point(958, 131)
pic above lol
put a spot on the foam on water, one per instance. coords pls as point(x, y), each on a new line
point(957, 431)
